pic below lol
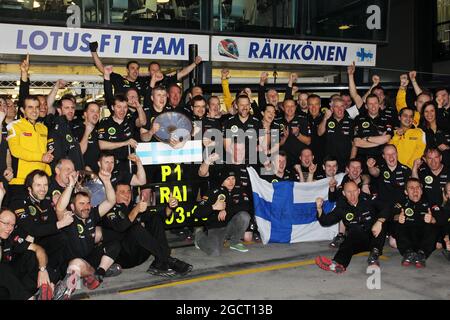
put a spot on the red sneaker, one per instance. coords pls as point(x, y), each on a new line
point(328, 265)
point(45, 292)
point(91, 282)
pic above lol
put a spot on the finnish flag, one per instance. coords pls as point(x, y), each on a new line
point(286, 211)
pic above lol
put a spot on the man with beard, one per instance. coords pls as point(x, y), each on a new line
point(37, 219)
point(141, 234)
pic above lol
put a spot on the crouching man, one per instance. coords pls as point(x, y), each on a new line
point(363, 224)
point(227, 211)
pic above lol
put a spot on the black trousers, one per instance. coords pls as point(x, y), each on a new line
point(356, 241)
point(110, 249)
point(26, 267)
point(11, 288)
point(57, 252)
point(417, 237)
point(140, 242)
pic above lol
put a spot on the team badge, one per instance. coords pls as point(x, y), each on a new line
point(428, 179)
point(349, 216)
point(409, 212)
point(331, 125)
point(112, 131)
point(32, 210)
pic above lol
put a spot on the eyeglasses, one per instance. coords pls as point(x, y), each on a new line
point(7, 224)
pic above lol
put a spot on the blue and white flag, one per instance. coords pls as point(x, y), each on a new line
point(161, 153)
point(286, 211)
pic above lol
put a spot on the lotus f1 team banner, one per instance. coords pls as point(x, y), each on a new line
point(237, 49)
point(74, 42)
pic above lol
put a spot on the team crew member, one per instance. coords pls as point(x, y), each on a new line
point(433, 175)
point(61, 138)
point(27, 141)
point(87, 135)
point(158, 106)
point(390, 174)
point(120, 83)
point(296, 132)
point(227, 211)
point(272, 133)
point(115, 133)
point(246, 124)
point(446, 222)
point(107, 164)
point(410, 141)
point(278, 170)
point(364, 226)
point(81, 233)
point(139, 242)
point(338, 130)
point(315, 117)
point(60, 180)
point(37, 218)
point(416, 230)
point(329, 168)
point(372, 131)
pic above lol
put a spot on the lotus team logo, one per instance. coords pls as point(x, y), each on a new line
point(428, 179)
point(228, 48)
point(349, 216)
point(409, 212)
point(221, 197)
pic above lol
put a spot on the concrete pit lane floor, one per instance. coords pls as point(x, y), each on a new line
point(279, 272)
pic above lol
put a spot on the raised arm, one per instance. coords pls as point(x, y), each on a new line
point(60, 84)
point(110, 200)
point(352, 86)
point(98, 63)
point(185, 71)
point(139, 178)
point(417, 89)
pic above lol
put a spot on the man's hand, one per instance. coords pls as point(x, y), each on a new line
point(132, 143)
point(61, 84)
point(332, 184)
point(104, 175)
point(107, 70)
point(248, 92)
point(417, 163)
point(73, 179)
point(328, 114)
point(173, 202)
point(428, 217)
point(404, 81)
point(293, 77)
point(212, 158)
point(222, 215)
point(158, 76)
point(376, 228)
point(319, 203)
point(142, 206)
point(376, 80)
point(43, 278)
point(219, 205)
point(48, 156)
point(413, 75)
point(134, 158)
point(155, 128)
point(312, 168)
point(371, 162)
point(225, 74)
point(65, 221)
point(351, 69)
point(93, 46)
point(443, 147)
point(402, 217)
point(198, 60)
point(294, 89)
point(89, 127)
point(295, 131)
point(263, 78)
point(25, 65)
point(8, 174)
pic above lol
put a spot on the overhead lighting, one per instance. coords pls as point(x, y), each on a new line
point(36, 4)
point(162, 1)
point(345, 27)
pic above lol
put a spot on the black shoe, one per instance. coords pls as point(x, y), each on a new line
point(160, 271)
point(180, 267)
point(374, 257)
point(408, 258)
point(337, 240)
point(256, 236)
point(113, 271)
point(420, 260)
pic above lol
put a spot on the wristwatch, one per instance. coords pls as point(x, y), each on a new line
point(42, 269)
